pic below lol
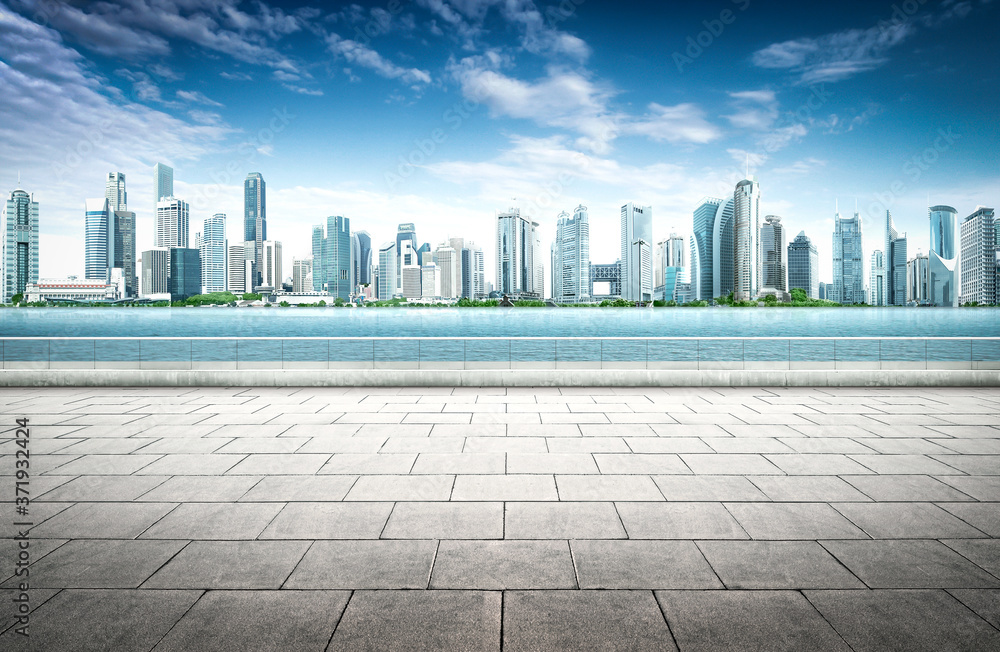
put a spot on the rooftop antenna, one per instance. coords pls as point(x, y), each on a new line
point(18, 178)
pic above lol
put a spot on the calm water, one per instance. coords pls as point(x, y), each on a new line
point(485, 322)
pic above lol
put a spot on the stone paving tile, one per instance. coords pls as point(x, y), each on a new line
point(98, 620)
point(777, 565)
point(368, 463)
point(746, 620)
point(342, 444)
point(642, 565)
point(676, 520)
point(263, 445)
point(360, 564)
point(906, 521)
point(985, 488)
point(562, 520)
point(505, 445)
point(105, 563)
point(985, 553)
point(92, 464)
point(258, 621)
point(909, 621)
point(745, 445)
point(905, 488)
point(199, 489)
point(214, 521)
point(972, 464)
point(579, 620)
point(451, 520)
point(906, 564)
point(280, 464)
point(299, 488)
point(816, 464)
point(435, 444)
point(398, 620)
point(905, 464)
point(638, 463)
point(807, 489)
point(725, 464)
point(105, 520)
point(229, 565)
point(493, 565)
point(213, 464)
point(982, 516)
point(985, 602)
point(97, 488)
point(504, 487)
point(587, 445)
point(791, 521)
point(328, 521)
point(402, 488)
point(708, 488)
point(459, 463)
point(607, 488)
point(564, 463)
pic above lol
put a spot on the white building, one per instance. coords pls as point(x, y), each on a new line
point(637, 252)
point(430, 281)
point(571, 258)
point(520, 269)
point(877, 288)
point(773, 255)
point(387, 271)
point(302, 274)
point(746, 229)
point(978, 270)
point(240, 269)
point(449, 271)
point(213, 254)
point(72, 290)
point(411, 282)
point(172, 217)
point(271, 265)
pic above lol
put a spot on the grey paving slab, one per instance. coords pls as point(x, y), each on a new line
point(816, 464)
point(725, 464)
point(214, 521)
point(99, 620)
point(676, 520)
point(790, 521)
point(550, 463)
point(198, 489)
point(905, 488)
point(243, 445)
point(908, 621)
point(984, 602)
point(905, 564)
point(436, 444)
point(328, 521)
point(562, 520)
point(229, 565)
point(103, 520)
point(807, 489)
point(280, 464)
point(359, 564)
point(180, 464)
point(93, 464)
point(746, 620)
point(978, 487)
point(972, 464)
point(708, 488)
point(459, 463)
point(445, 520)
point(298, 488)
point(258, 621)
point(505, 445)
point(906, 521)
point(905, 464)
point(580, 620)
point(504, 487)
point(97, 488)
point(368, 463)
point(106, 563)
point(608, 564)
point(607, 487)
point(985, 553)
point(982, 516)
point(639, 463)
point(402, 487)
point(398, 620)
point(777, 565)
point(496, 565)
point(587, 445)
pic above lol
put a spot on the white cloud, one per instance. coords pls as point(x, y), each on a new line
point(198, 97)
point(362, 55)
point(301, 90)
point(756, 110)
point(683, 123)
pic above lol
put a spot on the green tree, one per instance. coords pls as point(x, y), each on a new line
point(339, 301)
point(284, 304)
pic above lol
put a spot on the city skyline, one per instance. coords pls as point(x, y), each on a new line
point(528, 89)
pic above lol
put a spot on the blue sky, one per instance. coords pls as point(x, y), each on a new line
point(442, 113)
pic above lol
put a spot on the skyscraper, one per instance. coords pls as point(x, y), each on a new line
point(895, 264)
point(271, 272)
point(238, 268)
point(942, 259)
point(255, 220)
point(213, 254)
point(163, 183)
point(746, 227)
point(473, 281)
point(335, 269)
point(302, 274)
point(848, 261)
point(99, 240)
point(424, 254)
point(19, 240)
point(155, 271)
point(405, 232)
point(712, 219)
point(571, 258)
point(387, 271)
point(184, 279)
point(877, 285)
point(449, 271)
point(773, 262)
point(979, 269)
point(317, 256)
point(458, 244)
point(803, 266)
point(172, 217)
point(115, 192)
point(637, 252)
point(918, 279)
point(519, 264)
point(124, 249)
point(363, 262)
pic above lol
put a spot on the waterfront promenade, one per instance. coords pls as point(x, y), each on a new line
point(515, 518)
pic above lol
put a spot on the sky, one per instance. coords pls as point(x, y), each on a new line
point(443, 113)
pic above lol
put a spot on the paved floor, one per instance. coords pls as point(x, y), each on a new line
point(522, 519)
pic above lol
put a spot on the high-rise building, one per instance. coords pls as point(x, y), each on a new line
point(363, 261)
point(424, 254)
point(114, 190)
point(124, 249)
point(19, 240)
point(213, 254)
point(712, 249)
point(746, 227)
point(473, 272)
point(571, 258)
point(877, 287)
point(996, 233)
point(803, 266)
point(430, 280)
point(411, 288)
point(824, 291)
point(637, 252)
point(317, 256)
point(848, 261)
point(302, 274)
point(519, 255)
point(184, 279)
point(99, 240)
point(172, 217)
point(405, 232)
point(773, 249)
point(387, 260)
point(255, 220)
point(163, 183)
point(271, 265)
point(155, 271)
point(448, 261)
point(335, 269)
point(918, 280)
point(238, 270)
point(943, 257)
point(979, 267)
point(895, 264)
